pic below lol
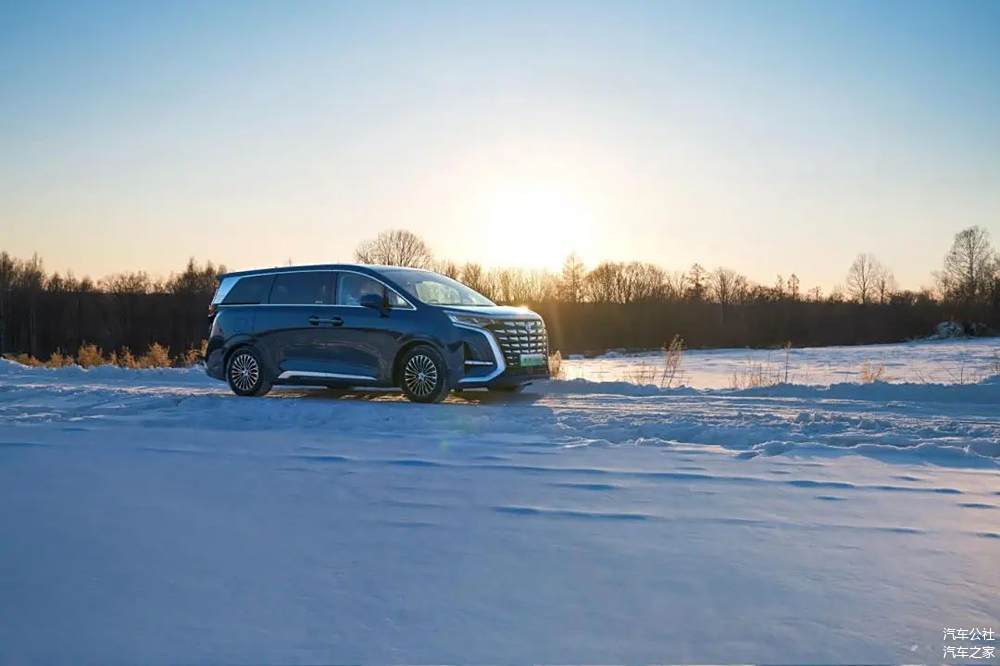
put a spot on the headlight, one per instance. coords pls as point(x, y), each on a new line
point(469, 320)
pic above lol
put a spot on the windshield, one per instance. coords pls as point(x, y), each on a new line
point(435, 289)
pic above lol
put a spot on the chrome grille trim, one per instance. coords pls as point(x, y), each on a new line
point(520, 336)
point(497, 354)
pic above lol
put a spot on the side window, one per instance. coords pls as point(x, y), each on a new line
point(249, 290)
point(352, 286)
point(396, 301)
point(305, 288)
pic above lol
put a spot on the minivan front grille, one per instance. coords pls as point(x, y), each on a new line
point(520, 336)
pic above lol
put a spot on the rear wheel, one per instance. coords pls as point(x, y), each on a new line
point(245, 373)
point(423, 375)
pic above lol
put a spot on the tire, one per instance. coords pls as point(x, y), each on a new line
point(423, 375)
point(245, 373)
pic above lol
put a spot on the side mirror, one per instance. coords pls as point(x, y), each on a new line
point(374, 301)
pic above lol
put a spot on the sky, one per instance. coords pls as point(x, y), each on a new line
point(767, 137)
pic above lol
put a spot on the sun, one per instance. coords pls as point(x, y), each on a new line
point(535, 224)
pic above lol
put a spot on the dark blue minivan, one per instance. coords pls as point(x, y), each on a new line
point(345, 325)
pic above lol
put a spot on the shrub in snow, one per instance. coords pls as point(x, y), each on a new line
point(555, 365)
point(59, 360)
point(949, 329)
point(88, 355)
point(126, 359)
point(157, 356)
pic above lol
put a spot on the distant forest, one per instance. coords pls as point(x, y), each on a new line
point(611, 305)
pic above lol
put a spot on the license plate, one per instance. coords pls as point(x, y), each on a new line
point(532, 360)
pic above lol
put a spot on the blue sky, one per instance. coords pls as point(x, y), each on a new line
point(764, 136)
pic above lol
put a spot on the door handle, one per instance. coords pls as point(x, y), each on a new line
point(333, 321)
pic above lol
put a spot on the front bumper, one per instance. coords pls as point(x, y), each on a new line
point(492, 355)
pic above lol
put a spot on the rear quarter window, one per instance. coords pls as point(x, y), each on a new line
point(305, 288)
point(249, 290)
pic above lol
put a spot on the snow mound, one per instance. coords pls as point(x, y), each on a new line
point(105, 373)
point(586, 386)
point(947, 330)
point(984, 392)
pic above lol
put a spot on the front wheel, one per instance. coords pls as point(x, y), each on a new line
point(245, 373)
point(424, 376)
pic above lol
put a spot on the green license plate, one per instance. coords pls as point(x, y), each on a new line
point(532, 360)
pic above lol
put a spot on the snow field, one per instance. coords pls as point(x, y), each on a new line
point(152, 516)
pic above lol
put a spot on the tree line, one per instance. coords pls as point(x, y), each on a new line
point(43, 313)
point(610, 305)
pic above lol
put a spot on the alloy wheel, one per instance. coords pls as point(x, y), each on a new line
point(244, 371)
point(420, 375)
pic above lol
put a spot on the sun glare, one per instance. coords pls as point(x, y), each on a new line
point(535, 224)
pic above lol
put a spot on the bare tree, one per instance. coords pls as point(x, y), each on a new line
point(726, 287)
point(519, 286)
point(475, 277)
point(449, 268)
point(674, 285)
point(885, 285)
point(616, 282)
point(697, 279)
point(794, 287)
point(396, 247)
point(969, 266)
point(571, 281)
point(195, 279)
point(603, 282)
point(125, 284)
point(645, 282)
point(8, 268)
point(863, 278)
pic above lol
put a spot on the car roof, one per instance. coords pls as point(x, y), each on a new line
point(363, 268)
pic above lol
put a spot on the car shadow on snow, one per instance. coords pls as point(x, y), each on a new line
point(474, 396)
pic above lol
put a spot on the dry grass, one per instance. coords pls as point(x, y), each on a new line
point(24, 359)
point(157, 356)
point(672, 356)
point(963, 374)
point(87, 356)
point(761, 374)
point(59, 360)
point(756, 374)
point(90, 356)
point(788, 359)
point(667, 373)
point(193, 355)
point(643, 375)
point(555, 365)
point(872, 372)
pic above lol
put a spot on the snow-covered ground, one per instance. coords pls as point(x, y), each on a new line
point(943, 361)
point(151, 516)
